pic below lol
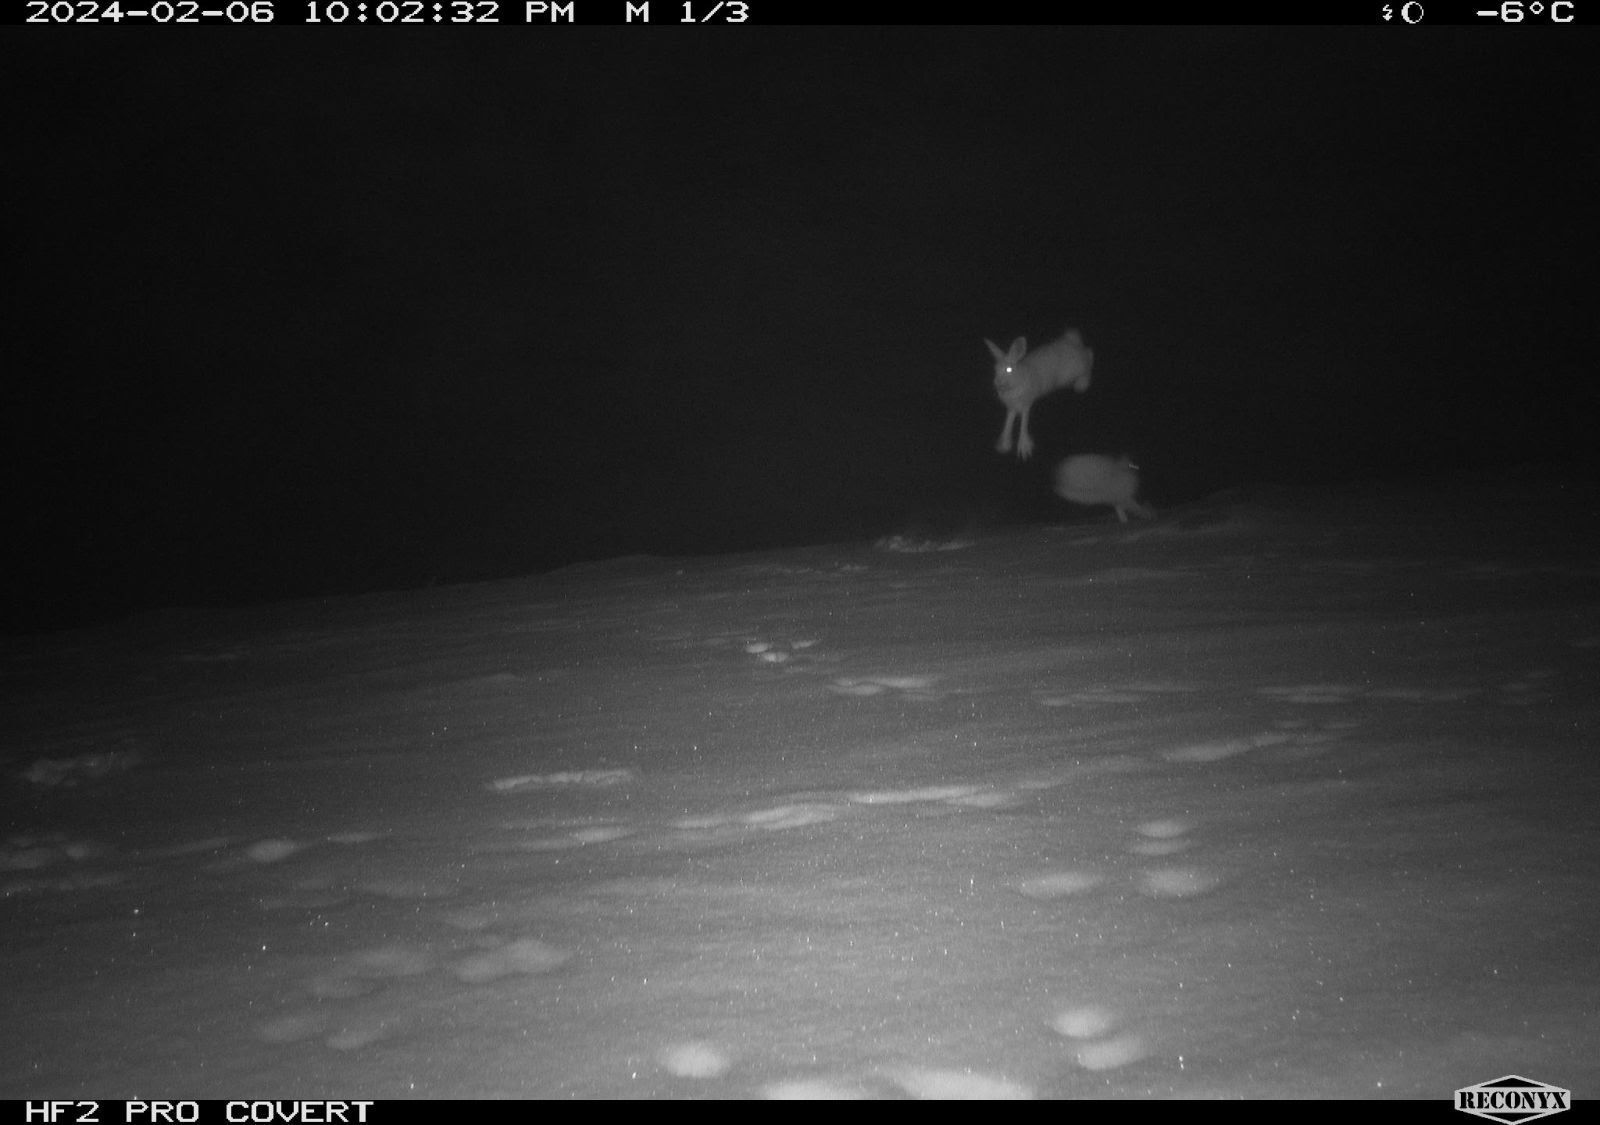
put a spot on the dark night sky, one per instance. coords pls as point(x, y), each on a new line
point(323, 312)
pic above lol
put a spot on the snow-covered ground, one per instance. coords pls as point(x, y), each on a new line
point(1285, 793)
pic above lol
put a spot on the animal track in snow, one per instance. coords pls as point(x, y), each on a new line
point(29, 853)
point(54, 862)
point(922, 1082)
point(1059, 884)
point(1533, 687)
point(903, 544)
point(364, 999)
point(944, 1084)
point(1537, 685)
point(561, 779)
point(1422, 695)
point(342, 1015)
point(1219, 749)
point(1315, 693)
point(81, 769)
point(948, 793)
point(813, 1090)
point(918, 688)
point(371, 996)
point(694, 1059)
point(1177, 882)
point(769, 653)
point(1090, 1028)
point(524, 956)
point(773, 819)
point(1158, 838)
point(560, 834)
point(1101, 695)
point(1163, 837)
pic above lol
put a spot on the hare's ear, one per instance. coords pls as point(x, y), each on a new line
point(994, 349)
point(1019, 346)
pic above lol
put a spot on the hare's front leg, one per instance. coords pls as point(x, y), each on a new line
point(1004, 444)
point(1024, 438)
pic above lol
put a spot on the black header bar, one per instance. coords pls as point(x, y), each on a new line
point(1397, 16)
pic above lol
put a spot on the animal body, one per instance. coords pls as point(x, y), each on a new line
point(1022, 377)
point(1093, 478)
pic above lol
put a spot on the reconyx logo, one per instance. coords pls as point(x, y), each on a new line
point(1512, 1099)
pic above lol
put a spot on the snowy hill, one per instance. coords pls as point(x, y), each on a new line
point(1287, 793)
